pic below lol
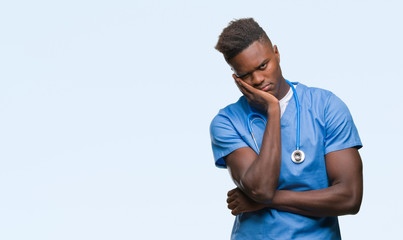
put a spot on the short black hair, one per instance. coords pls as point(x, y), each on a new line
point(238, 35)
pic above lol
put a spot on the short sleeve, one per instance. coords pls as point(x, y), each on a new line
point(224, 139)
point(341, 132)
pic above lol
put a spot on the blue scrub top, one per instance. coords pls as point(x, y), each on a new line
point(326, 126)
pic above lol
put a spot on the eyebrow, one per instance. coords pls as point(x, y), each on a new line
point(257, 68)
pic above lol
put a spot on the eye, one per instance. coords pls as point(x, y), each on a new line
point(263, 66)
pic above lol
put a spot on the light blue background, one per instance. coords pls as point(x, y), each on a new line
point(105, 108)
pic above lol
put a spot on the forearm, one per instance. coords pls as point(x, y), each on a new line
point(332, 201)
point(315, 203)
point(260, 180)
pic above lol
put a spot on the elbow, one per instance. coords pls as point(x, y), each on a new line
point(353, 204)
point(262, 195)
point(350, 210)
point(349, 198)
point(355, 210)
point(354, 207)
point(259, 192)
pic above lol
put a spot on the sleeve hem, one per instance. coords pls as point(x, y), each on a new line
point(357, 145)
point(219, 160)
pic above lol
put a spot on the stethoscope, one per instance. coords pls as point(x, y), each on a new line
point(298, 156)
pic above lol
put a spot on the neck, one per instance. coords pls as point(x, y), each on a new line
point(283, 89)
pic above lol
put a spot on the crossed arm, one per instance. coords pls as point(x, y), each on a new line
point(343, 196)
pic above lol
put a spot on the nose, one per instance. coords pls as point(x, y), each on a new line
point(257, 78)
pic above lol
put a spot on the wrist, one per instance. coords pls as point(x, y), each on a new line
point(273, 109)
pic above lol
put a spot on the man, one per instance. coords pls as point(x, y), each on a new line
point(281, 194)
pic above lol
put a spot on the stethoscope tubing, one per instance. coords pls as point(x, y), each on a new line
point(298, 115)
point(297, 156)
point(250, 122)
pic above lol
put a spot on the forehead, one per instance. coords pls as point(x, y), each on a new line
point(252, 57)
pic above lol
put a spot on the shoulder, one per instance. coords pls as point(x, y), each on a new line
point(229, 124)
point(321, 99)
point(231, 112)
point(315, 93)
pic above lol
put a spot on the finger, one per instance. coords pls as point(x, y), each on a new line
point(247, 93)
point(232, 192)
point(235, 212)
point(231, 199)
point(247, 86)
point(232, 205)
point(244, 87)
point(243, 91)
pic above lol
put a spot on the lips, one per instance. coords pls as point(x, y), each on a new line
point(266, 87)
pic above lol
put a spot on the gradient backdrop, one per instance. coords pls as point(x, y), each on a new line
point(105, 108)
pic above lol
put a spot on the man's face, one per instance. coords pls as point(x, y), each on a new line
point(258, 65)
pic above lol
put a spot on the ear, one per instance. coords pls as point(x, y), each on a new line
point(276, 52)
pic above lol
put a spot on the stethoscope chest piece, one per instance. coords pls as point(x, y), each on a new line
point(298, 156)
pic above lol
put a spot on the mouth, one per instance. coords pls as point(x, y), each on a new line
point(266, 87)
